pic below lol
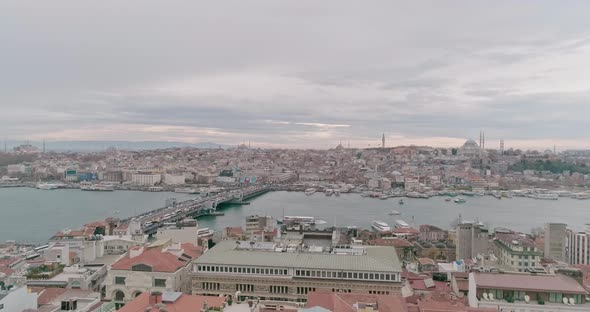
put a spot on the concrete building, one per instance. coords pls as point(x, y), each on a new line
point(172, 301)
point(161, 266)
point(179, 234)
point(84, 277)
point(85, 245)
point(526, 292)
point(555, 241)
point(146, 178)
point(258, 223)
point(174, 179)
point(578, 246)
point(18, 299)
point(271, 271)
point(58, 253)
point(517, 252)
point(472, 240)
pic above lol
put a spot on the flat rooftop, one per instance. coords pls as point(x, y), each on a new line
point(376, 258)
point(543, 283)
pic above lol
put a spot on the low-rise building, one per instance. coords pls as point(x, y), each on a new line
point(270, 271)
point(172, 301)
point(517, 252)
point(162, 267)
point(527, 292)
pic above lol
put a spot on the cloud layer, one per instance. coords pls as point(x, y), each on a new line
point(297, 73)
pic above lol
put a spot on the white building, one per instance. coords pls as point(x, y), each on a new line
point(16, 169)
point(174, 179)
point(145, 178)
point(58, 253)
point(578, 246)
point(19, 299)
point(159, 267)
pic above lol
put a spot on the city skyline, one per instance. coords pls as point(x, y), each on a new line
point(297, 75)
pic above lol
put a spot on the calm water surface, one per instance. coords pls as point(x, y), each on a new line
point(33, 215)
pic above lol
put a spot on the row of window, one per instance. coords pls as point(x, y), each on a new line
point(346, 275)
point(241, 270)
point(304, 290)
point(245, 287)
point(210, 286)
point(378, 292)
point(157, 282)
point(279, 289)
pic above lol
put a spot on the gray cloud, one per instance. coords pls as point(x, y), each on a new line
point(295, 73)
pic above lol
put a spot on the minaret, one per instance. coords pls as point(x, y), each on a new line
point(43, 146)
point(383, 140)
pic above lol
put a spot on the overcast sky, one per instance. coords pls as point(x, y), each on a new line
point(297, 73)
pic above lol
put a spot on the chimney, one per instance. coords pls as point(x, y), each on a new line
point(155, 298)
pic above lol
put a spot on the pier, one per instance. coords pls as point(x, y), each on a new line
point(194, 208)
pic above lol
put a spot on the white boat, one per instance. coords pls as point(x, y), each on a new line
point(380, 226)
point(96, 187)
point(205, 232)
point(384, 197)
point(582, 196)
point(49, 186)
point(337, 192)
point(416, 195)
point(401, 224)
point(394, 213)
point(546, 196)
point(310, 191)
point(186, 190)
point(298, 219)
point(459, 200)
point(328, 192)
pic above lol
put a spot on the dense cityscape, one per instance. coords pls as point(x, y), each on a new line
point(294, 262)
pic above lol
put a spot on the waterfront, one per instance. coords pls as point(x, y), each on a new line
point(516, 213)
point(31, 215)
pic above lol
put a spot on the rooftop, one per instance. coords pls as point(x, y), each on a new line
point(159, 260)
point(375, 258)
point(541, 283)
point(174, 302)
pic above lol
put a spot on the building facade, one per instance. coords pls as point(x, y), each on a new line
point(146, 178)
point(555, 241)
point(517, 252)
point(472, 240)
point(269, 271)
point(578, 246)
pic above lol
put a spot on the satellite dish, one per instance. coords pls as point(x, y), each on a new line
point(491, 296)
point(565, 301)
point(485, 296)
point(572, 301)
point(527, 298)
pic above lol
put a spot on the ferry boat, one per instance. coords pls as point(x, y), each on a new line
point(298, 219)
point(582, 196)
point(380, 226)
point(416, 195)
point(459, 200)
point(394, 213)
point(310, 191)
point(49, 186)
point(545, 196)
point(96, 187)
point(401, 224)
point(205, 232)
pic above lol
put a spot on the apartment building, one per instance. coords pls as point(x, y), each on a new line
point(517, 252)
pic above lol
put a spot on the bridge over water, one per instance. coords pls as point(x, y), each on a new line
point(195, 207)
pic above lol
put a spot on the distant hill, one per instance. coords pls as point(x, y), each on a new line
point(94, 146)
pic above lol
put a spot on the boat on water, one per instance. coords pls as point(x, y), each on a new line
point(401, 224)
point(100, 187)
point(394, 213)
point(366, 194)
point(459, 200)
point(380, 226)
point(329, 192)
point(545, 196)
point(384, 197)
point(337, 192)
point(416, 195)
point(49, 186)
point(401, 201)
point(310, 191)
point(204, 232)
point(448, 199)
point(298, 219)
point(582, 196)
point(467, 193)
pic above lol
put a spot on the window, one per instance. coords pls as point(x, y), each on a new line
point(119, 280)
point(387, 277)
point(366, 276)
point(371, 276)
point(159, 282)
point(554, 297)
point(323, 273)
point(382, 277)
point(349, 274)
point(257, 271)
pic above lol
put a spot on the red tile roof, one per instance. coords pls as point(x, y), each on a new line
point(396, 242)
point(542, 283)
point(345, 302)
point(185, 303)
point(47, 295)
point(158, 260)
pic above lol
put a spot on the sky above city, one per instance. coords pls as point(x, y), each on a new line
point(300, 74)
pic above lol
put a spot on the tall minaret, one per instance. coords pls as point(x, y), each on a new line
point(383, 140)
